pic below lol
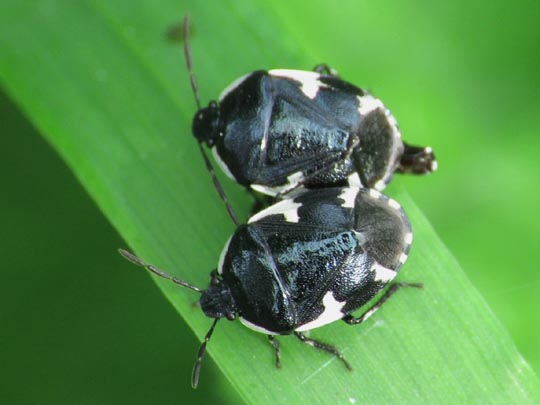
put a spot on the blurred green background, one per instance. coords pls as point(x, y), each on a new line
point(78, 325)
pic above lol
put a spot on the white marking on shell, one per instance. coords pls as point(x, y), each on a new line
point(332, 312)
point(222, 255)
point(222, 164)
point(408, 238)
point(348, 195)
point(256, 328)
point(354, 180)
point(288, 208)
point(295, 178)
point(309, 81)
point(266, 189)
point(231, 87)
point(379, 185)
point(368, 103)
point(394, 204)
point(360, 237)
point(263, 143)
point(393, 122)
point(374, 193)
point(382, 273)
point(292, 181)
point(434, 166)
point(403, 258)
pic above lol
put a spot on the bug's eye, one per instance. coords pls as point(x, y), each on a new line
point(231, 316)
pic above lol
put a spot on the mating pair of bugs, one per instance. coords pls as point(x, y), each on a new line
point(331, 241)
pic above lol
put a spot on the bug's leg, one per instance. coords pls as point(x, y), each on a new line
point(325, 165)
point(351, 320)
point(323, 346)
point(417, 160)
point(325, 69)
point(275, 344)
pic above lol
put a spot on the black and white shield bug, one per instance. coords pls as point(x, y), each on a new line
point(305, 262)
point(276, 130)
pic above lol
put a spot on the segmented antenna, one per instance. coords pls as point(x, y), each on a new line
point(202, 349)
point(200, 355)
point(195, 88)
point(139, 262)
point(189, 65)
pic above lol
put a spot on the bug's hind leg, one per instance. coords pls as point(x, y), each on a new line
point(351, 320)
point(323, 346)
point(277, 349)
point(325, 69)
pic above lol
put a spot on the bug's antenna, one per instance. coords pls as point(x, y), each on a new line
point(200, 355)
point(189, 65)
point(195, 88)
point(139, 262)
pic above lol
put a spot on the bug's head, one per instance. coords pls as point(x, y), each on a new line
point(205, 124)
point(217, 301)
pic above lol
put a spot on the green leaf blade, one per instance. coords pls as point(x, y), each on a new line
point(119, 111)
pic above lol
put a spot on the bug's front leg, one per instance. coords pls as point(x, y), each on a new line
point(275, 344)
